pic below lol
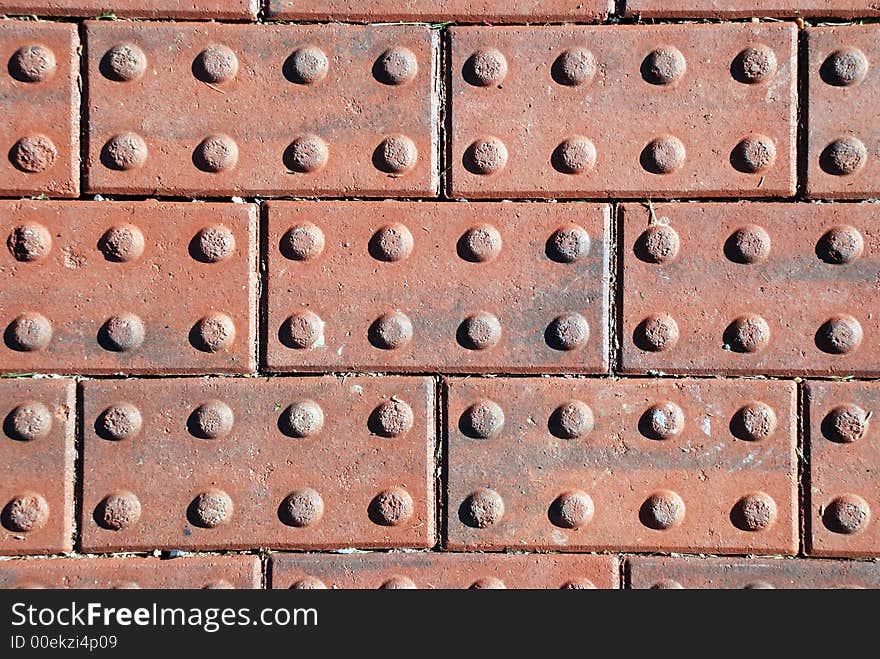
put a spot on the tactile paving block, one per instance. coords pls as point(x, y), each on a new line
point(305, 463)
point(142, 287)
point(639, 465)
point(749, 8)
point(36, 466)
point(443, 570)
point(523, 11)
point(843, 496)
point(229, 9)
point(627, 111)
point(428, 287)
point(656, 572)
point(210, 109)
point(843, 148)
point(750, 288)
point(188, 572)
point(39, 134)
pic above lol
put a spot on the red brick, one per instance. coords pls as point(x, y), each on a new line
point(639, 465)
point(41, 70)
point(443, 570)
point(523, 11)
point(189, 572)
point(842, 115)
point(65, 278)
point(749, 8)
point(230, 9)
point(353, 290)
point(844, 457)
point(36, 466)
point(367, 451)
point(227, 109)
point(765, 289)
point(692, 572)
point(594, 138)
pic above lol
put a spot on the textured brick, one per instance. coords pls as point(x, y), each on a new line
point(36, 466)
point(231, 9)
point(744, 288)
point(523, 287)
point(641, 465)
point(307, 463)
point(661, 110)
point(215, 109)
point(190, 572)
point(144, 287)
point(442, 570)
point(844, 460)
point(41, 148)
point(749, 8)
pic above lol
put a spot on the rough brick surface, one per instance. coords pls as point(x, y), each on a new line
point(201, 9)
point(443, 570)
point(36, 466)
point(749, 8)
point(641, 465)
point(524, 288)
point(143, 287)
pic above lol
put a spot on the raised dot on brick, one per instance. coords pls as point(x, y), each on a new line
point(307, 154)
point(213, 244)
point(302, 419)
point(391, 507)
point(748, 244)
point(578, 584)
point(574, 155)
point(753, 154)
point(575, 66)
point(656, 333)
point(753, 422)
point(398, 582)
point(122, 333)
point(480, 243)
point(302, 330)
point(215, 64)
point(486, 156)
point(29, 332)
point(396, 155)
point(33, 63)
point(844, 67)
point(28, 422)
point(747, 333)
point(482, 420)
point(485, 68)
point(839, 335)
point(124, 242)
point(391, 331)
point(25, 512)
point(393, 418)
point(119, 421)
point(572, 510)
point(124, 62)
point(663, 155)
point(568, 244)
point(568, 331)
point(571, 420)
point(479, 331)
point(754, 64)
point(303, 507)
point(302, 242)
point(847, 514)
point(307, 65)
point(213, 333)
point(33, 154)
point(662, 421)
point(29, 242)
point(840, 245)
point(488, 583)
point(211, 508)
point(667, 584)
point(662, 510)
point(309, 583)
point(124, 152)
point(482, 508)
point(664, 66)
point(211, 420)
point(658, 244)
point(843, 157)
point(754, 512)
point(845, 424)
point(118, 511)
point(396, 66)
point(216, 153)
point(392, 242)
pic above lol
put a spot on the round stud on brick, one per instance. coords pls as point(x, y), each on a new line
point(847, 514)
point(753, 422)
point(568, 331)
point(118, 511)
point(754, 64)
point(29, 242)
point(482, 420)
point(124, 242)
point(662, 421)
point(215, 64)
point(302, 242)
point(396, 155)
point(844, 67)
point(213, 244)
point(309, 583)
point(845, 424)
point(843, 157)
point(303, 507)
point(663, 155)
point(839, 335)
point(575, 66)
point(119, 421)
point(213, 333)
point(574, 155)
point(33, 63)
point(568, 244)
point(748, 244)
point(571, 420)
point(479, 331)
point(396, 66)
point(391, 507)
point(219, 584)
point(759, 585)
point(488, 583)
point(302, 330)
point(216, 153)
point(25, 512)
point(658, 244)
point(33, 154)
point(398, 582)
point(485, 156)
point(485, 68)
point(28, 332)
point(307, 154)
point(302, 419)
point(662, 510)
point(307, 65)
point(392, 242)
point(664, 66)
point(754, 512)
point(656, 333)
point(124, 152)
point(391, 331)
point(747, 333)
point(211, 420)
point(754, 154)
point(572, 510)
point(578, 584)
point(480, 243)
point(127, 585)
point(667, 584)
point(840, 245)
point(210, 509)
point(122, 333)
point(393, 418)
point(482, 508)
point(28, 421)
point(123, 63)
